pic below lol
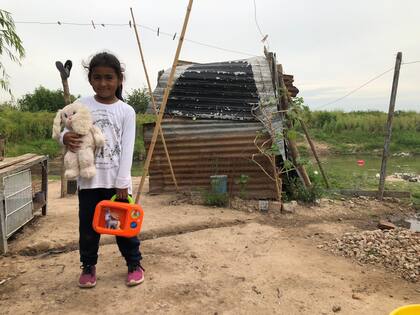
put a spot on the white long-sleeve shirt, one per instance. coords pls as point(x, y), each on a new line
point(113, 161)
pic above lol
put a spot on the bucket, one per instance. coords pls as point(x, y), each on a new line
point(413, 309)
point(218, 184)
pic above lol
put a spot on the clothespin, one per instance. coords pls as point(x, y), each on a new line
point(129, 23)
point(158, 32)
point(58, 22)
point(93, 24)
point(103, 25)
point(264, 38)
point(174, 36)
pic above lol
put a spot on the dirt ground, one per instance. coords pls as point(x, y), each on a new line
point(203, 260)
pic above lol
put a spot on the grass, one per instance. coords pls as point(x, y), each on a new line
point(364, 132)
point(31, 133)
point(354, 135)
point(42, 147)
point(359, 141)
point(344, 173)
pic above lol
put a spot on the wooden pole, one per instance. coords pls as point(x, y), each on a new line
point(292, 145)
point(153, 101)
point(311, 144)
point(44, 184)
point(66, 91)
point(164, 101)
point(2, 147)
point(66, 94)
point(389, 125)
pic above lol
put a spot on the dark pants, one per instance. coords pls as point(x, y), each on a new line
point(89, 239)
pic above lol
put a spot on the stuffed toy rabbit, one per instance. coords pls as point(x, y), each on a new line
point(76, 117)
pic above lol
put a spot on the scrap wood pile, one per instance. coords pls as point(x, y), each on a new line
point(397, 250)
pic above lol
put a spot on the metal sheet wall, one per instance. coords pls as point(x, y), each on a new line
point(222, 90)
point(201, 148)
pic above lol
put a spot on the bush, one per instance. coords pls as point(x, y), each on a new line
point(48, 147)
point(20, 126)
point(216, 199)
point(295, 189)
point(43, 99)
point(139, 149)
point(139, 99)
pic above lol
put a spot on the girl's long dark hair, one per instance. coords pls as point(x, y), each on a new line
point(104, 59)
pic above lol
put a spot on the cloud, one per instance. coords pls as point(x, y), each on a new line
point(330, 47)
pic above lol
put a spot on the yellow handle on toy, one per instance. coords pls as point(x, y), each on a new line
point(129, 198)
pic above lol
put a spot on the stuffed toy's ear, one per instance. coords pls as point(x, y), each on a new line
point(57, 126)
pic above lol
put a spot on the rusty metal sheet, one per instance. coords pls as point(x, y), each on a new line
point(202, 148)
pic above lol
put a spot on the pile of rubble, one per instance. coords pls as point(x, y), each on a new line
point(407, 176)
point(396, 249)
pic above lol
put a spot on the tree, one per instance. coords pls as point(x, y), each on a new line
point(139, 99)
point(10, 44)
point(43, 99)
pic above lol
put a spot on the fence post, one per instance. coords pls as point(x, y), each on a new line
point(64, 71)
point(389, 125)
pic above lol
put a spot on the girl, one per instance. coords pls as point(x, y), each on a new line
point(117, 121)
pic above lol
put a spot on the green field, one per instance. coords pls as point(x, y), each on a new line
point(344, 172)
point(349, 136)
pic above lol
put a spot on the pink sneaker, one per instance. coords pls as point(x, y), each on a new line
point(135, 275)
point(88, 277)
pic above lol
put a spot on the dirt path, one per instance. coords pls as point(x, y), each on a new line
point(224, 262)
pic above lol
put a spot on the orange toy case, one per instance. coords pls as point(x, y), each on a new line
point(118, 218)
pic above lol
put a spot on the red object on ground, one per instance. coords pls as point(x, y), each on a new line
point(360, 162)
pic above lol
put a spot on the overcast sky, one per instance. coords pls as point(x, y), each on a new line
point(331, 47)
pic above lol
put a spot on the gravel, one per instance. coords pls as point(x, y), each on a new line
point(397, 250)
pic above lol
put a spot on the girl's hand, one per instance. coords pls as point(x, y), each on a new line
point(72, 141)
point(122, 193)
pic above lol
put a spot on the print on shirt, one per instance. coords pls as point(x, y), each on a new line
point(108, 156)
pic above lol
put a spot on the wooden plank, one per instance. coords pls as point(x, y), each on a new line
point(153, 99)
point(374, 193)
point(19, 166)
point(2, 147)
point(45, 185)
point(285, 100)
point(3, 239)
point(313, 149)
point(163, 104)
point(13, 160)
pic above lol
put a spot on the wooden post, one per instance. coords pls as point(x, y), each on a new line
point(2, 147)
point(44, 184)
point(63, 178)
point(164, 100)
point(66, 91)
point(389, 125)
point(153, 102)
point(285, 97)
point(311, 144)
point(3, 232)
point(64, 74)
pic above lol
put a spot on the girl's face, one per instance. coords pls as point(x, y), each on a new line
point(105, 81)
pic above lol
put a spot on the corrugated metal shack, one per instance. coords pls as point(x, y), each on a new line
point(209, 126)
